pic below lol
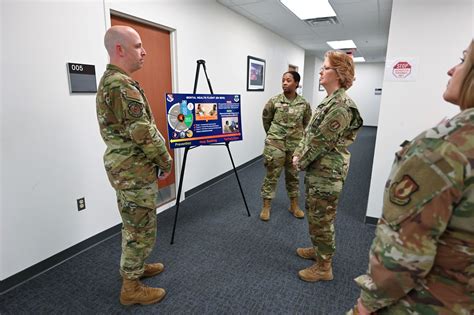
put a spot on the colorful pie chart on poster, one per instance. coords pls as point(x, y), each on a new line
point(179, 118)
point(201, 119)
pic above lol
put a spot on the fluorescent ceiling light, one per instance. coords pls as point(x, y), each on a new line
point(309, 9)
point(342, 44)
point(359, 59)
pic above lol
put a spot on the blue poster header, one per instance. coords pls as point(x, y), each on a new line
point(200, 119)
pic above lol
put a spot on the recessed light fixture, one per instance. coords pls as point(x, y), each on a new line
point(342, 44)
point(359, 59)
point(309, 9)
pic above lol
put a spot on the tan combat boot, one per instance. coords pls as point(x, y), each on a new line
point(152, 270)
point(295, 209)
point(321, 270)
point(134, 292)
point(265, 214)
point(306, 253)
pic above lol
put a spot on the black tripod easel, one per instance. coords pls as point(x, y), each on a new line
point(202, 63)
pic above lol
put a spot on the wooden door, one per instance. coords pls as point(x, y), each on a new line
point(155, 79)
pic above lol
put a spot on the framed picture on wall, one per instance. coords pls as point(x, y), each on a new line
point(292, 68)
point(255, 74)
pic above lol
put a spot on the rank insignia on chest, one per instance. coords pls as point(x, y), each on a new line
point(401, 191)
point(334, 125)
point(135, 109)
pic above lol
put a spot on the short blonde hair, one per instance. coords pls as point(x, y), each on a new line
point(467, 89)
point(344, 66)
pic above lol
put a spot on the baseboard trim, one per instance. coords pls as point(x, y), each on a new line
point(43, 266)
point(371, 220)
point(216, 179)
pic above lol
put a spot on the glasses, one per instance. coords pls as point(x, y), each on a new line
point(323, 68)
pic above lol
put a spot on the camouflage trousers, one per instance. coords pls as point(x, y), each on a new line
point(323, 185)
point(275, 159)
point(421, 301)
point(138, 210)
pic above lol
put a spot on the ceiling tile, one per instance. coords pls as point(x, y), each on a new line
point(366, 22)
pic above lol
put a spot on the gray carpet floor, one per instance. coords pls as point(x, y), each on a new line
point(222, 261)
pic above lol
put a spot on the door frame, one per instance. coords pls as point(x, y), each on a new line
point(178, 154)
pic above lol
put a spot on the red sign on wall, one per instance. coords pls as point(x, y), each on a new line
point(401, 69)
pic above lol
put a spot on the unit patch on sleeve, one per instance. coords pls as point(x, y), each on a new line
point(135, 109)
point(401, 191)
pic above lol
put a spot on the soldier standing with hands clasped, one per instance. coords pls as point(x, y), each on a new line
point(422, 258)
point(135, 153)
point(284, 118)
point(323, 154)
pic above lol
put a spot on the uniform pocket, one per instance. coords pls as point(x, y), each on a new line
point(330, 166)
point(145, 197)
point(280, 113)
point(267, 155)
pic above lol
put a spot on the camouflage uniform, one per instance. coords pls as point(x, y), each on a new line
point(135, 148)
point(422, 257)
point(323, 154)
point(284, 122)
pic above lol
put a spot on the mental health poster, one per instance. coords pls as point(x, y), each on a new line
point(200, 119)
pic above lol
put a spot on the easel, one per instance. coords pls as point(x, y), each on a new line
point(202, 63)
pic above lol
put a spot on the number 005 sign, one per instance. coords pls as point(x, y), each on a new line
point(81, 78)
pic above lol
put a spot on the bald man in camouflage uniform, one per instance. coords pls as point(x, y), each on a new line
point(323, 154)
point(284, 121)
point(135, 151)
point(422, 258)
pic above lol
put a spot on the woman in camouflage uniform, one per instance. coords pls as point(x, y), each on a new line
point(323, 154)
point(422, 257)
point(284, 118)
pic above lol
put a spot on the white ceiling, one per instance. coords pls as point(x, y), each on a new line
point(366, 22)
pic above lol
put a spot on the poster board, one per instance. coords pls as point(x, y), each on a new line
point(201, 119)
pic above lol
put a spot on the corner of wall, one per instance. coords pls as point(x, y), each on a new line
point(2, 221)
point(308, 78)
point(404, 111)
